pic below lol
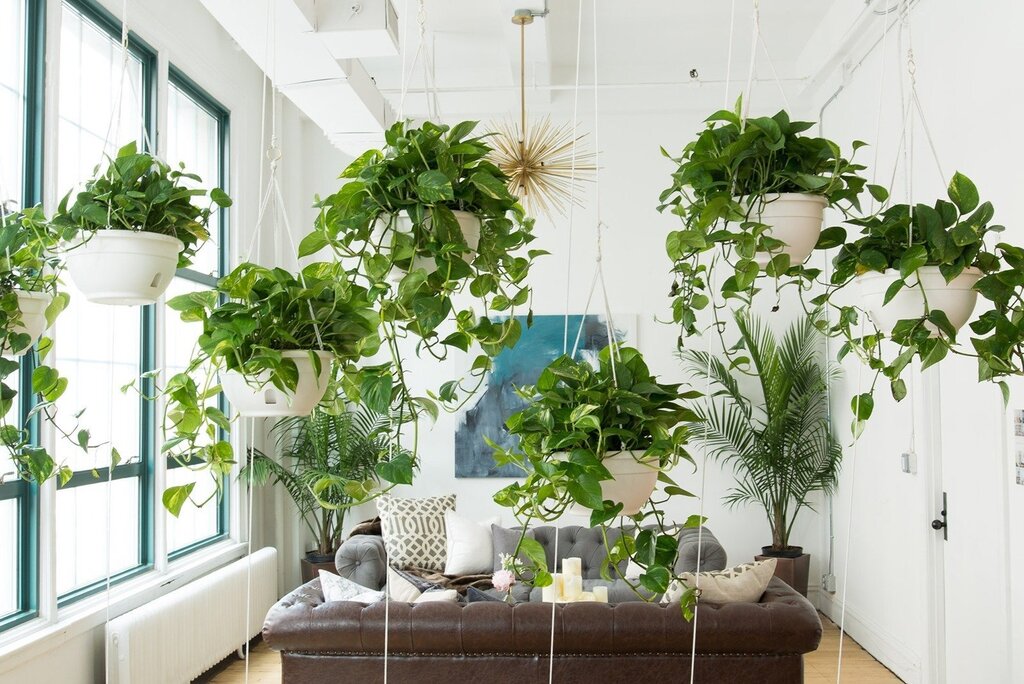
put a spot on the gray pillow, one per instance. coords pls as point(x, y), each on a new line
point(474, 595)
point(505, 541)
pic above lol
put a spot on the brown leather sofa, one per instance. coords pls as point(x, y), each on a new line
point(493, 643)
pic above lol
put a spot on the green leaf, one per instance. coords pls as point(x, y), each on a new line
point(963, 193)
point(399, 470)
point(175, 497)
point(433, 186)
point(862, 405)
point(375, 391)
point(586, 491)
point(914, 258)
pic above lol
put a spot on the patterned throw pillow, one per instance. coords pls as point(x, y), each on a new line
point(414, 532)
point(742, 584)
point(340, 589)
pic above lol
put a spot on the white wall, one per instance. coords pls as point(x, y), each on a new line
point(961, 55)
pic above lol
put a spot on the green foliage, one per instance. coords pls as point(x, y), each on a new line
point(392, 225)
point(253, 315)
point(138, 192)
point(578, 416)
point(724, 179)
point(781, 445)
point(327, 463)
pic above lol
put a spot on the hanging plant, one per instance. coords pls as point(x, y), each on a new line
point(599, 439)
point(425, 219)
point(756, 188)
point(132, 225)
point(917, 272)
point(273, 337)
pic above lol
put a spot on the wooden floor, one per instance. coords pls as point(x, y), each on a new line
point(819, 667)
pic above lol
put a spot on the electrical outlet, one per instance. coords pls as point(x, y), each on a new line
point(908, 462)
point(828, 583)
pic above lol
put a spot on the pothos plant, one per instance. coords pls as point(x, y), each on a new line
point(28, 266)
point(254, 314)
point(138, 192)
point(392, 225)
point(722, 182)
point(951, 235)
point(578, 416)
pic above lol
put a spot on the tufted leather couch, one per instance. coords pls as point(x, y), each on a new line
point(493, 643)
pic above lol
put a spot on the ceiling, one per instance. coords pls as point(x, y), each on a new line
point(462, 56)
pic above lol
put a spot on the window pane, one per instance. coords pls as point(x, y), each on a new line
point(193, 524)
point(193, 138)
point(8, 559)
point(82, 532)
point(90, 79)
point(12, 98)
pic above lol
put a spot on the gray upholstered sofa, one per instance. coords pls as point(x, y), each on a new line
point(363, 560)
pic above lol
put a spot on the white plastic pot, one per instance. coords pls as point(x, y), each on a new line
point(956, 299)
point(633, 481)
point(795, 219)
point(33, 317)
point(469, 223)
point(257, 397)
point(123, 266)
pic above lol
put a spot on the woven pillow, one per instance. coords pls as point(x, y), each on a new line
point(340, 589)
point(414, 532)
point(742, 584)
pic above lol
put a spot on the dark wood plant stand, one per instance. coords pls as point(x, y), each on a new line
point(311, 570)
point(792, 571)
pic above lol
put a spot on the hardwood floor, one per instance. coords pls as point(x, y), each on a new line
point(819, 667)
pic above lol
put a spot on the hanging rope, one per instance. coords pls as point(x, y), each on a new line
point(248, 553)
point(554, 605)
point(572, 175)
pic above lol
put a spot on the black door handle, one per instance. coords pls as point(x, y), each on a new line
point(938, 524)
point(941, 523)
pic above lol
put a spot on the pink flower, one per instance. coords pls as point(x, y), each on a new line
point(503, 580)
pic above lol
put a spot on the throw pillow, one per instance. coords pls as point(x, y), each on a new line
point(505, 541)
point(414, 532)
point(469, 545)
point(742, 584)
point(440, 595)
point(401, 588)
point(340, 589)
point(474, 595)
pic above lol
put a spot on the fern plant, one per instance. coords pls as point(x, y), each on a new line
point(780, 443)
point(328, 461)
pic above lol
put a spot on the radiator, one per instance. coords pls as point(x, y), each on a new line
point(180, 635)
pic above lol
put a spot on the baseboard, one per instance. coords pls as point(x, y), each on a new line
point(881, 644)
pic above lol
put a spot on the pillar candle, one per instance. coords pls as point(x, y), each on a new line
point(572, 587)
point(548, 594)
point(572, 566)
point(600, 594)
point(586, 596)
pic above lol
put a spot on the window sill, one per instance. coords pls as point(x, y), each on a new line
point(39, 635)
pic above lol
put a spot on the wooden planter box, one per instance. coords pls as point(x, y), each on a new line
point(792, 571)
point(311, 571)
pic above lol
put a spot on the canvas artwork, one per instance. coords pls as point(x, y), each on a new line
point(539, 345)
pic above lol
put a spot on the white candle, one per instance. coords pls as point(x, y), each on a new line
point(600, 594)
point(548, 594)
point(572, 567)
point(586, 596)
point(572, 587)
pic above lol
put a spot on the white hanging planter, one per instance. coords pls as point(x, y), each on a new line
point(33, 317)
point(468, 223)
point(258, 397)
point(956, 299)
point(123, 266)
point(795, 219)
point(633, 481)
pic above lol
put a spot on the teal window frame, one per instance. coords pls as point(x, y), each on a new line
point(96, 14)
point(27, 494)
point(220, 113)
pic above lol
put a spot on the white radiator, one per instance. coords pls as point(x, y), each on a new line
point(180, 635)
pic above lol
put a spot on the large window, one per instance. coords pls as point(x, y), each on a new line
point(21, 89)
point(196, 136)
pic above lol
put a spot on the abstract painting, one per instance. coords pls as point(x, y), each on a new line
point(539, 345)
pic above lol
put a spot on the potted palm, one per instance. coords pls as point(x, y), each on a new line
point(132, 226)
point(274, 338)
point(757, 187)
point(780, 444)
point(326, 461)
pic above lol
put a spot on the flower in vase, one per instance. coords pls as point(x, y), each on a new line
point(503, 580)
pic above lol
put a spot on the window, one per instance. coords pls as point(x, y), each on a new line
point(197, 136)
point(21, 88)
point(102, 348)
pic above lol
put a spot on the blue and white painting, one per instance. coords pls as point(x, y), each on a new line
point(538, 346)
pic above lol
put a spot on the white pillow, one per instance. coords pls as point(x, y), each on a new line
point(401, 589)
point(439, 595)
point(470, 549)
point(742, 584)
point(340, 589)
